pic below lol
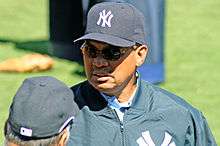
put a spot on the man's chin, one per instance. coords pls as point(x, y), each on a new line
point(108, 88)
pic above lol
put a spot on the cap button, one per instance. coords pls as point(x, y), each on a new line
point(42, 83)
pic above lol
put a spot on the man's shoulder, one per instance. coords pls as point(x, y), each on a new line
point(79, 85)
point(163, 98)
point(85, 95)
point(173, 107)
point(84, 89)
point(177, 113)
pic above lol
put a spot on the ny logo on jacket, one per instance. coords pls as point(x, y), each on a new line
point(146, 140)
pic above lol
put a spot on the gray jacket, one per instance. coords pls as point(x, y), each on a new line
point(155, 118)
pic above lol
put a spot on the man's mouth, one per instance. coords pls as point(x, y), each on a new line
point(100, 74)
point(102, 77)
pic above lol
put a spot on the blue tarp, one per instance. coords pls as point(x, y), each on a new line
point(153, 69)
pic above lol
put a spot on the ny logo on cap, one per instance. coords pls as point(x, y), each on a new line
point(146, 140)
point(105, 18)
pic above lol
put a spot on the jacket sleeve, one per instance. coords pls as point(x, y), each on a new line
point(199, 133)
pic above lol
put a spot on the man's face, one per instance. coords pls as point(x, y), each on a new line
point(104, 73)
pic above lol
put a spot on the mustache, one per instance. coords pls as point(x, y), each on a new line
point(102, 71)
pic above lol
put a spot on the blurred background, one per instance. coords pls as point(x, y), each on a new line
point(190, 50)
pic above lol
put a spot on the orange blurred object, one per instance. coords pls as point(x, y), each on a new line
point(28, 63)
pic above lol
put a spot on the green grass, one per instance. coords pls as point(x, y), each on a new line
point(192, 55)
point(24, 20)
point(191, 52)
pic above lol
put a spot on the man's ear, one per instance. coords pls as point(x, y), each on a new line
point(141, 53)
point(63, 138)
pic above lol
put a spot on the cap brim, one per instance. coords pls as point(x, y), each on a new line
point(109, 39)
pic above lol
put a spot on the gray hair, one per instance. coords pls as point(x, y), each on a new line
point(11, 137)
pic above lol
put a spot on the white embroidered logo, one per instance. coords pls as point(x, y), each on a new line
point(146, 140)
point(25, 131)
point(105, 18)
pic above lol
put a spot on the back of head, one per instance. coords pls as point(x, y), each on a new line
point(41, 109)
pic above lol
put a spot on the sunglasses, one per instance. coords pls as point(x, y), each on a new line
point(111, 53)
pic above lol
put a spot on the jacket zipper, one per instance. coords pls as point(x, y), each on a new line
point(121, 127)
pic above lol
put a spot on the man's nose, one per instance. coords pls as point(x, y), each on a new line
point(99, 61)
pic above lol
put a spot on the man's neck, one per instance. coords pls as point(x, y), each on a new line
point(128, 91)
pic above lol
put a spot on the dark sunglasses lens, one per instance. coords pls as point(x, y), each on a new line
point(112, 53)
point(92, 53)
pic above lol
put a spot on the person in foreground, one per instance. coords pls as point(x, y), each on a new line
point(41, 113)
point(117, 107)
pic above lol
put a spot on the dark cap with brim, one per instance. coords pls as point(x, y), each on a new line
point(115, 23)
point(109, 39)
point(42, 107)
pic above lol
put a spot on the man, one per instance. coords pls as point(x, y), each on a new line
point(41, 113)
point(118, 108)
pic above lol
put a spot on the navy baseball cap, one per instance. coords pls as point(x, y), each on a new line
point(115, 23)
point(42, 107)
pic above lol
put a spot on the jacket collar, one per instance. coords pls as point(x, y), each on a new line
point(143, 98)
point(87, 95)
